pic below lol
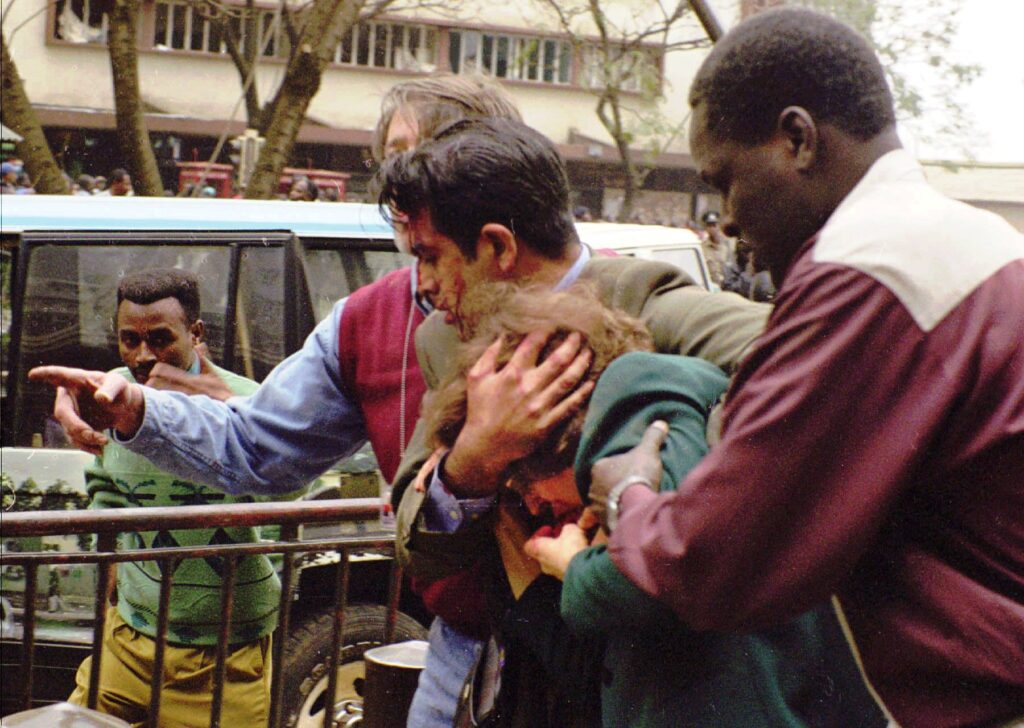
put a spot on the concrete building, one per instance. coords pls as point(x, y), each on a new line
point(192, 91)
point(995, 187)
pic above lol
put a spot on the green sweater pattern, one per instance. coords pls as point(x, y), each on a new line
point(119, 478)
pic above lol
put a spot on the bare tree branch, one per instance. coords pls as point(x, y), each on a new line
point(289, 24)
point(625, 54)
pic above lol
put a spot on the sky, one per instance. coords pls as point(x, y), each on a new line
point(990, 35)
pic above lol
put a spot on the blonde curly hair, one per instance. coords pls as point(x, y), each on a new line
point(510, 312)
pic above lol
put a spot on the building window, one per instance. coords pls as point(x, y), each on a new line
point(81, 21)
point(180, 26)
point(397, 46)
point(521, 58)
point(634, 70)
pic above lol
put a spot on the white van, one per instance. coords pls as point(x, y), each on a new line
point(679, 246)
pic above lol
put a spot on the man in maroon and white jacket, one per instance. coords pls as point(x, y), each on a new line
point(873, 441)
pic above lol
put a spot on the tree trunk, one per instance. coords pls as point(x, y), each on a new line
point(324, 23)
point(250, 56)
point(132, 135)
point(630, 176)
point(613, 124)
point(18, 114)
point(242, 50)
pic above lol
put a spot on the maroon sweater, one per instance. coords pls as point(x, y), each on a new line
point(370, 339)
point(873, 446)
point(370, 348)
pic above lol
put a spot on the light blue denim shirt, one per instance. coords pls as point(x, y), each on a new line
point(295, 426)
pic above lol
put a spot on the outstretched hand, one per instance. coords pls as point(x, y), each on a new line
point(167, 376)
point(89, 402)
point(643, 462)
point(509, 411)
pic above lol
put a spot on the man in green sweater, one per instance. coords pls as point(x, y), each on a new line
point(158, 327)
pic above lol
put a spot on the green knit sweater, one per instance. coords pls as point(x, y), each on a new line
point(657, 672)
point(120, 478)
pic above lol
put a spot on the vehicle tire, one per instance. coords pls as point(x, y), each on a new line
point(306, 658)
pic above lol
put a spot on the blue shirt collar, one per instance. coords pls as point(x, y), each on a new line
point(573, 273)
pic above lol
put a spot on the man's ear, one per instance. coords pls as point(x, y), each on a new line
point(801, 134)
point(500, 244)
point(197, 331)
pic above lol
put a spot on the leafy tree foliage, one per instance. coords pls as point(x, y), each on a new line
point(914, 40)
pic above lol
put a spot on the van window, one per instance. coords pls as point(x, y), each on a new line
point(69, 307)
point(336, 273)
point(686, 258)
point(260, 311)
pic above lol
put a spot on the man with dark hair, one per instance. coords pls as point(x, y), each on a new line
point(514, 224)
point(158, 323)
point(475, 184)
point(873, 442)
point(151, 286)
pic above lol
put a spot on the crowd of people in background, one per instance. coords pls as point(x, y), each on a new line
point(16, 181)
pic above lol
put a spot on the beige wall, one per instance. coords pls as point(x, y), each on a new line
point(208, 87)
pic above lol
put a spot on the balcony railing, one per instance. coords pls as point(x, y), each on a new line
point(107, 524)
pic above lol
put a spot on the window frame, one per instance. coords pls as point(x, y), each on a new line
point(526, 56)
point(295, 290)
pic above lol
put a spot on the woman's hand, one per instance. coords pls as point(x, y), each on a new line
point(554, 554)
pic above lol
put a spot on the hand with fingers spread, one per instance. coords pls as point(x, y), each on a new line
point(511, 409)
point(638, 466)
point(208, 382)
point(89, 401)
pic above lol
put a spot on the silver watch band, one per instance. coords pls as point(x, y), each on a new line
point(615, 495)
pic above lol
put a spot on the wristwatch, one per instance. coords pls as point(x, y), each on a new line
point(615, 495)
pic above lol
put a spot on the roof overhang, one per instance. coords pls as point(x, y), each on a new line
point(181, 124)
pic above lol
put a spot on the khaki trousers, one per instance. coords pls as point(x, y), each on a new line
point(187, 693)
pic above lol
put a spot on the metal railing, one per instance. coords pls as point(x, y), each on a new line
point(107, 524)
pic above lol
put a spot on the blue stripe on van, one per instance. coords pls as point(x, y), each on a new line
point(149, 223)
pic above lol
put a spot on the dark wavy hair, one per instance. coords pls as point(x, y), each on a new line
point(479, 171)
point(509, 312)
point(792, 57)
